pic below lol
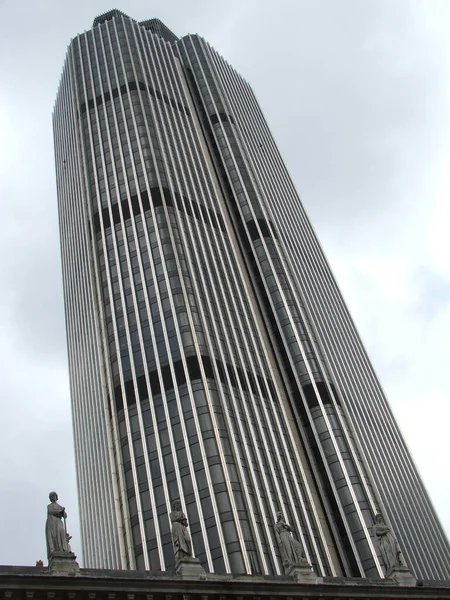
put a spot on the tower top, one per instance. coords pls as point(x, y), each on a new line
point(107, 16)
point(156, 26)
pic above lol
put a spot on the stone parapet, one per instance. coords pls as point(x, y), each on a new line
point(65, 582)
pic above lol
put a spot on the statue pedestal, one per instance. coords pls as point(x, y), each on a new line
point(189, 568)
point(63, 563)
point(303, 573)
point(403, 576)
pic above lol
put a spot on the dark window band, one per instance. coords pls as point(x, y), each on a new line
point(216, 117)
point(132, 87)
point(311, 397)
point(194, 372)
point(157, 199)
point(266, 228)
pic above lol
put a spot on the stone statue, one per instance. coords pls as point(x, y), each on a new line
point(291, 550)
point(55, 531)
point(389, 549)
point(180, 535)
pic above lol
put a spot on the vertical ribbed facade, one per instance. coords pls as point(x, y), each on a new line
point(211, 356)
point(325, 366)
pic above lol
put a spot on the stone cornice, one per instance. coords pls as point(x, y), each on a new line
point(29, 583)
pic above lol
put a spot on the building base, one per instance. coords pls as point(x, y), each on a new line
point(190, 568)
point(63, 563)
point(403, 576)
point(302, 573)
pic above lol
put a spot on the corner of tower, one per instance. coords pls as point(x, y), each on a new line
point(107, 16)
point(158, 28)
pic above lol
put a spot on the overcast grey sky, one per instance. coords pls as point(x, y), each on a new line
point(357, 95)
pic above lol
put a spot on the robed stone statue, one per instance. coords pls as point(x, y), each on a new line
point(389, 548)
point(292, 553)
point(180, 534)
point(55, 531)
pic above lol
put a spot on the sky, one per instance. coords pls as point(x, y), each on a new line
point(357, 94)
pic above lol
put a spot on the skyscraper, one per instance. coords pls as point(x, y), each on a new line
point(212, 358)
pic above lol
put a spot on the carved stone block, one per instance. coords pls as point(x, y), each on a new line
point(63, 563)
point(403, 576)
point(302, 573)
point(190, 568)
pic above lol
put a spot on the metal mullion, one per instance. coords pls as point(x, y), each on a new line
point(169, 425)
point(275, 445)
point(344, 425)
point(85, 162)
point(382, 441)
point(139, 329)
point(89, 291)
point(348, 440)
point(224, 407)
point(77, 286)
point(143, 437)
point(168, 420)
point(257, 416)
point(113, 423)
point(344, 429)
point(359, 350)
point(325, 375)
point(264, 441)
point(79, 291)
point(288, 489)
point(340, 374)
point(325, 417)
point(289, 492)
point(258, 420)
point(61, 189)
point(345, 377)
point(336, 541)
point(60, 127)
point(346, 386)
point(392, 435)
point(76, 290)
point(111, 295)
point(357, 437)
point(108, 486)
point(133, 293)
point(211, 411)
point(194, 412)
point(357, 440)
point(267, 488)
point(82, 315)
point(304, 479)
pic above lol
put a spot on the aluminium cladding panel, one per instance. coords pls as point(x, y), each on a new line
point(239, 127)
point(195, 412)
point(99, 525)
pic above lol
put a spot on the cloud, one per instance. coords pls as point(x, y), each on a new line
point(356, 94)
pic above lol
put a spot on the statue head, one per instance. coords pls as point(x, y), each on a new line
point(53, 496)
point(379, 518)
point(279, 515)
point(176, 505)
